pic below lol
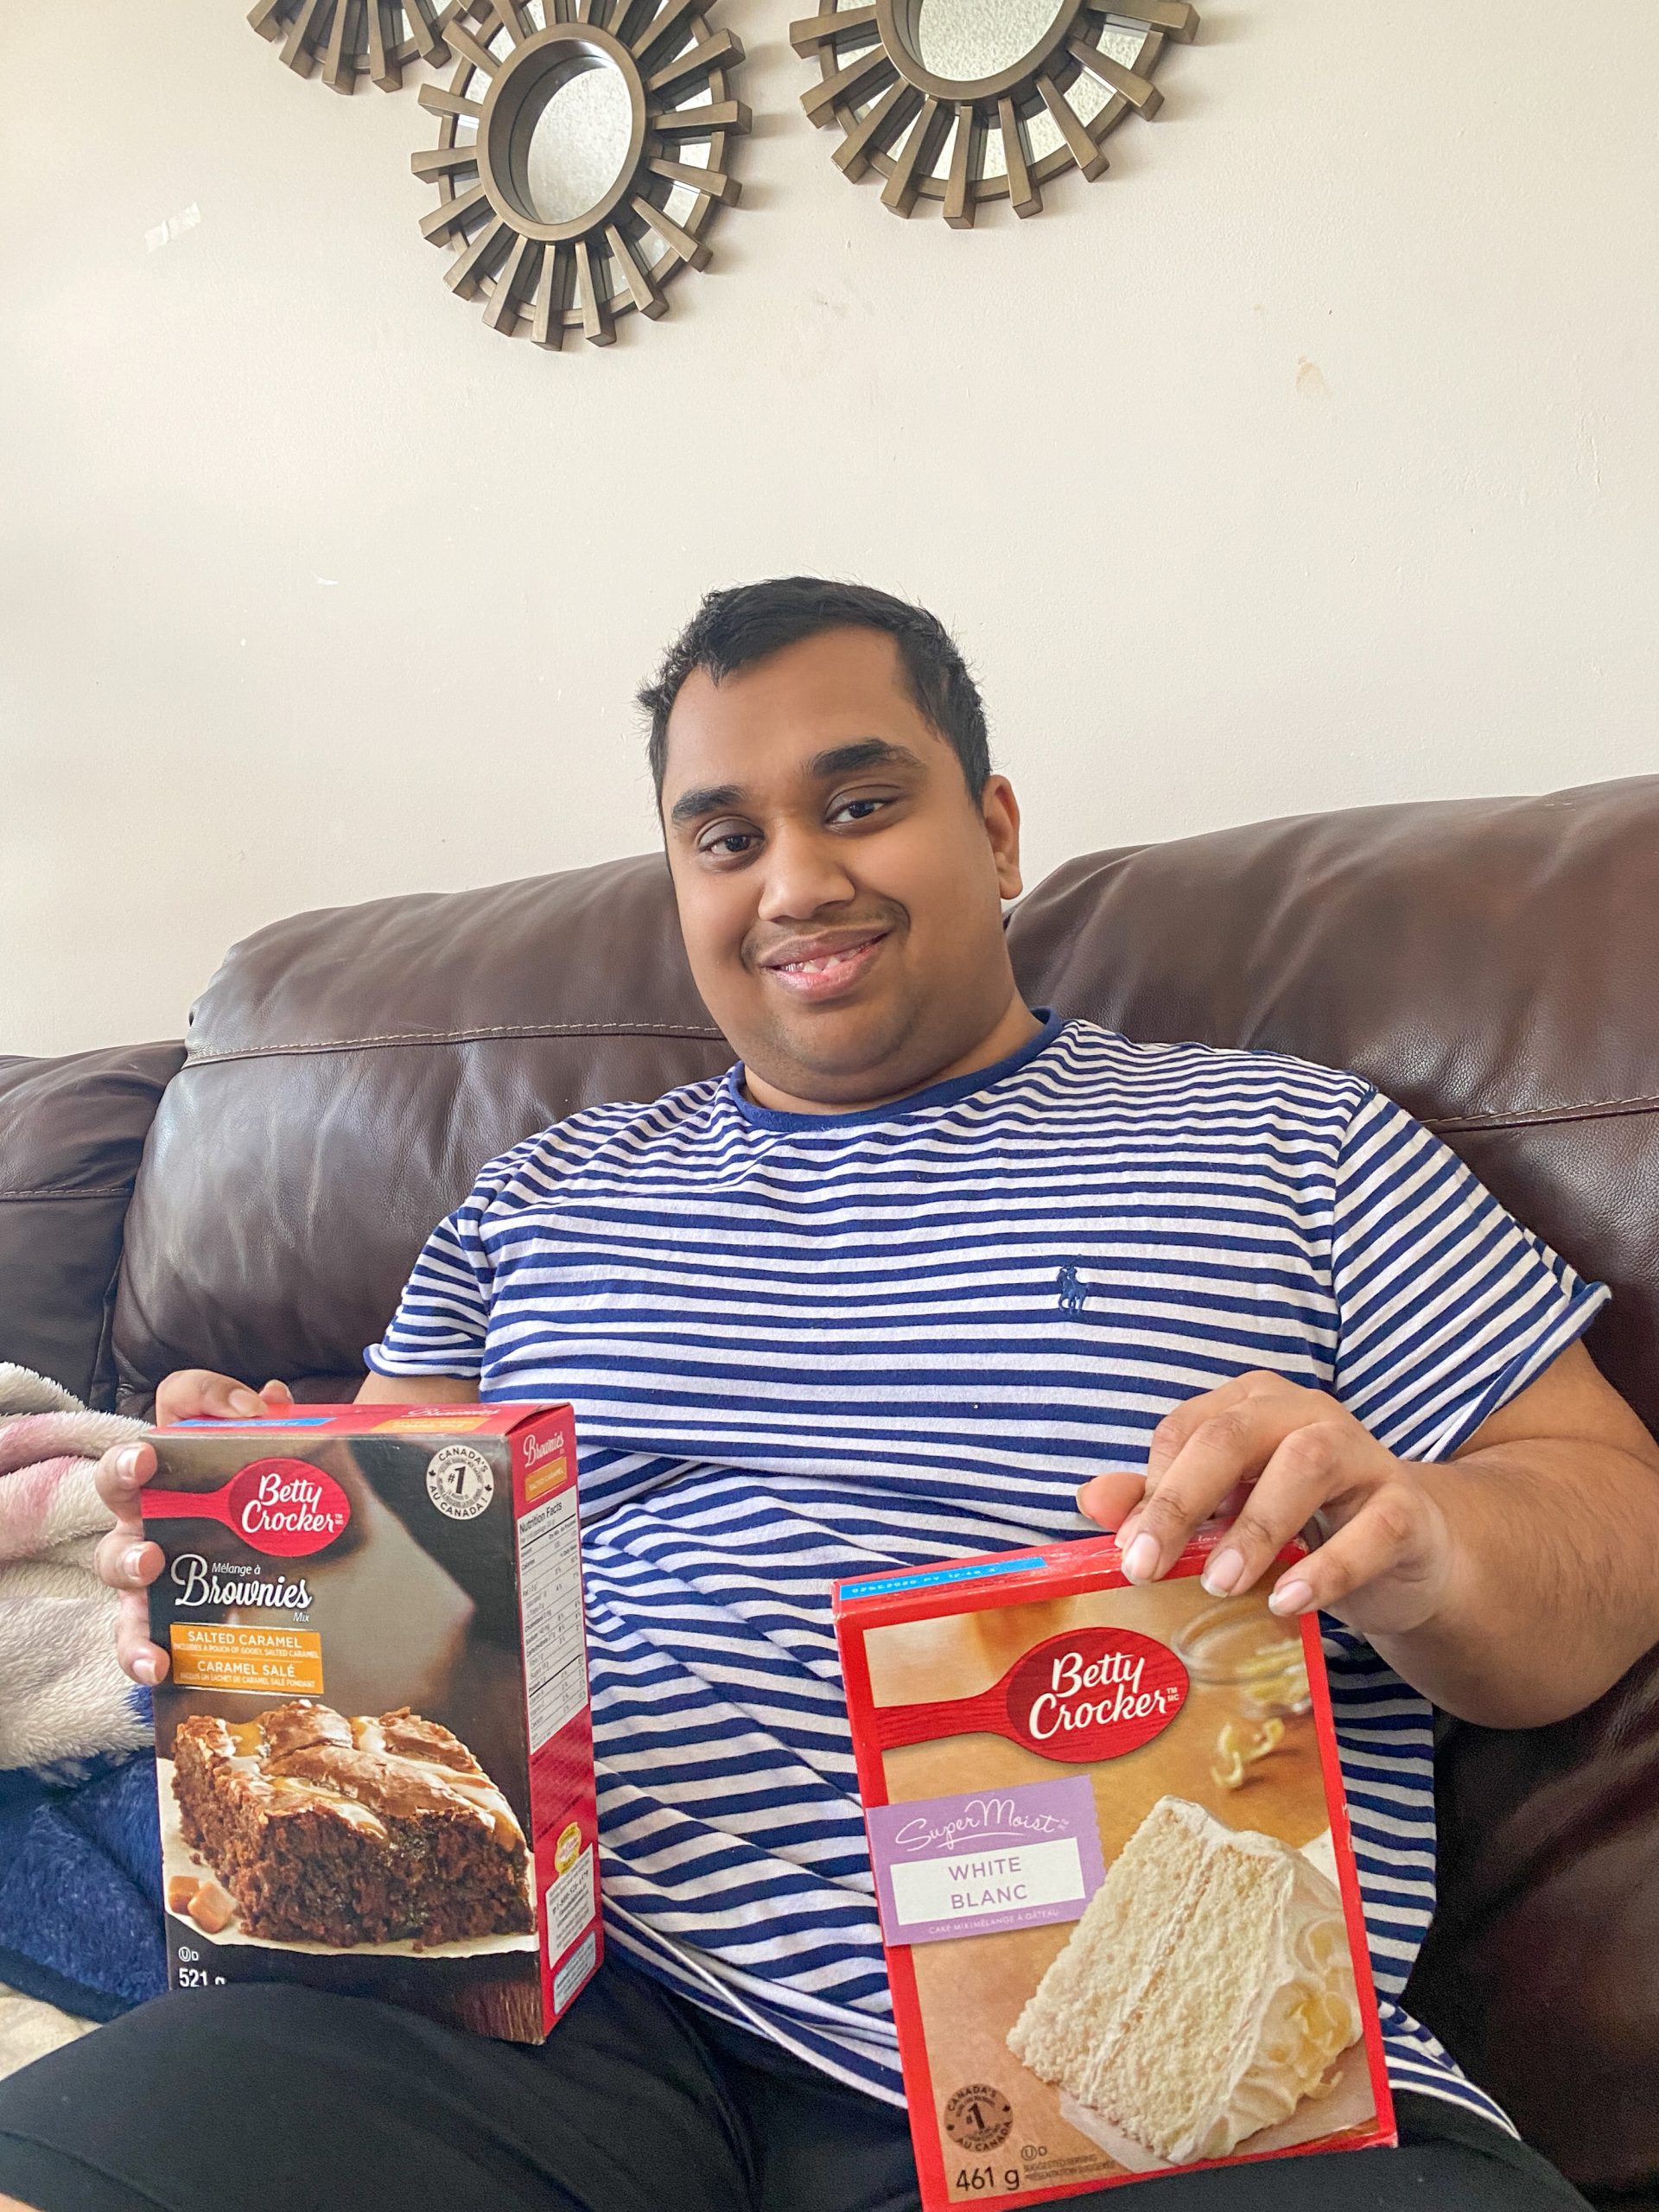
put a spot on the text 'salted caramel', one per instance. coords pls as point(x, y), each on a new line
point(374, 1751)
point(1112, 1861)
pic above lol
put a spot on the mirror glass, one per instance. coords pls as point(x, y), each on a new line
point(578, 143)
point(1125, 42)
point(1084, 94)
point(967, 38)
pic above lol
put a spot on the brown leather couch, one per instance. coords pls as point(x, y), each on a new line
point(253, 1201)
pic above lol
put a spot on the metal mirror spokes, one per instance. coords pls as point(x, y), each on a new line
point(353, 42)
point(581, 154)
point(959, 102)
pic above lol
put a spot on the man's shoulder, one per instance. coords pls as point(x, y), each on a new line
point(618, 1129)
point(1202, 1079)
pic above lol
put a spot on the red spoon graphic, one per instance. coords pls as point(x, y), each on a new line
point(281, 1507)
point(1091, 1694)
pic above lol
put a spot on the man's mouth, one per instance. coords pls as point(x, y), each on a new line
point(821, 967)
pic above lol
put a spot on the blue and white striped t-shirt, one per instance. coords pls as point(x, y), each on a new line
point(800, 1347)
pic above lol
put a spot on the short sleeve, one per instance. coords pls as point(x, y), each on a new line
point(443, 1315)
point(1446, 1307)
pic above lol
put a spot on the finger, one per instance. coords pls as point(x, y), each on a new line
point(143, 1660)
point(194, 1392)
point(1107, 1498)
point(1183, 1421)
point(1389, 1537)
point(1313, 1465)
point(276, 1397)
point(126, 1562)
point(121, 1475)
point(1231, 1447)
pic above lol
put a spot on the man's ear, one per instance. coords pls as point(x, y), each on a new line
point(1000, 811)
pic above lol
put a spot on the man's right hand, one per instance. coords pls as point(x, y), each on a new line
point(126, 1561)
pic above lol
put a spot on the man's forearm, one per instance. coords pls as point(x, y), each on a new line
point(1553, 1590)
point(417, 1389)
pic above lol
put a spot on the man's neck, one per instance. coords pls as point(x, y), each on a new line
point(1017, 1026)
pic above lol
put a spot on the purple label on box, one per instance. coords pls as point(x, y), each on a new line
point(991, 1859)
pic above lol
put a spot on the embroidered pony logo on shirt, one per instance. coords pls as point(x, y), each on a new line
point(1073, 1291)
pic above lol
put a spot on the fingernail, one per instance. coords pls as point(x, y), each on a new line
point(246, 1401)
point(134, 1561)
point(1291, 1598)
point(1223, 1573)
point(1080, 1505)
point(143, 1668)
point(1140, 1561)
point(126, 1464)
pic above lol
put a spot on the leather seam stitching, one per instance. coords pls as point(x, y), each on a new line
point(69, 1190)
point(459, 1037)
point(1586, 1110)
point(1577, 1110)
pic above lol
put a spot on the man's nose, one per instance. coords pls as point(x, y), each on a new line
point(804, 873)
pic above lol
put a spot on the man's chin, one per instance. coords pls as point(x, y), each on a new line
point(837, 1057)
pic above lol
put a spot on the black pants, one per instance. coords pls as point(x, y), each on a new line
point(277, 2099)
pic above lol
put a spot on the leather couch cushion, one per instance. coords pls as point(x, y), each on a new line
point(71, 1133)
point(348, 1073)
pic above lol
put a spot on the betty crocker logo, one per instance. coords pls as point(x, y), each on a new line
point(283, 1507)
point(1091, 1694)
point(1097, 1693)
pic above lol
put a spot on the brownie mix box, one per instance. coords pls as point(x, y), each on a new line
point(1113, 1867)
point(374, 1751)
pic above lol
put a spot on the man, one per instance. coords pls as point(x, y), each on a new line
point(927, 1273)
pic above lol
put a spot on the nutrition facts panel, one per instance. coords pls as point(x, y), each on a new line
point(549, 1590)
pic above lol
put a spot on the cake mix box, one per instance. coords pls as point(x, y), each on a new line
point(374, 1753)
point(1113, 1867)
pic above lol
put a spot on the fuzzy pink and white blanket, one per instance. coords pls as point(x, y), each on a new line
point(62, 1697)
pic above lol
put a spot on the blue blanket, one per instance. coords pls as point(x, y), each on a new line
point(80, 1888)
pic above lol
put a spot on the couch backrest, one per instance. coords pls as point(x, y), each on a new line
point(348, 1073)
point(72, 1132)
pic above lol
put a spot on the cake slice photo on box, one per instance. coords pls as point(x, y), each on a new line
point(1206, 1993)
point(1110, 1849)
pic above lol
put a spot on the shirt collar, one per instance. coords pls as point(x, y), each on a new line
point(937, 1094)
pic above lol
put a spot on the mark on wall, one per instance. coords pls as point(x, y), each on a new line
point(161, 234)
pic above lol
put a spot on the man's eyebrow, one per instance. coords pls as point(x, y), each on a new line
point(863, 752)
point(709, 800)
point(838, 761)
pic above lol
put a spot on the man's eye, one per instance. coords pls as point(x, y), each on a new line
point(857, 810)
point(730, 844)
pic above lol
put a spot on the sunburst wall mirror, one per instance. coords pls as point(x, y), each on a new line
point(957, 103)
point(353, 42)
point(581, 154)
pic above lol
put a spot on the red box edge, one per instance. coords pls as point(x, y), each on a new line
point(584, 1806)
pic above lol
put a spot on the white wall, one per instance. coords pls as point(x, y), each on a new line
point(1306, 460)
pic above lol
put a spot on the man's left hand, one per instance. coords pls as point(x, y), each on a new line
point(1275, 1458)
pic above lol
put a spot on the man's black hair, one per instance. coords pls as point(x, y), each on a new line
point(744, 624)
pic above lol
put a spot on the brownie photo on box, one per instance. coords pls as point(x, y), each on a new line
point(335, 1831)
